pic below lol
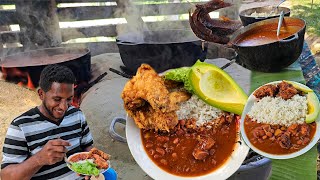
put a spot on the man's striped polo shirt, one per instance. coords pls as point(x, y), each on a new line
point(28, 133)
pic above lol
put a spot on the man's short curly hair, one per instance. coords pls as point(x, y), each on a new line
point(55, 73)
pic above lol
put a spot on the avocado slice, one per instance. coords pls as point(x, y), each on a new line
point(313, 107)
point(312, 101)
point(217, 88)
point(299, 87)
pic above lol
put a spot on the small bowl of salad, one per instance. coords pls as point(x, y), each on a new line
point(90, 163)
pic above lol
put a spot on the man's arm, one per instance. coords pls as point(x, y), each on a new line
point(53, 152)
point(24, 170)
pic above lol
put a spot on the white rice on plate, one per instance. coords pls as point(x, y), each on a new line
point(199, 110)
point(275, 110)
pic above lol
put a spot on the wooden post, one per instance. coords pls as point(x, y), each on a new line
point(39, 23)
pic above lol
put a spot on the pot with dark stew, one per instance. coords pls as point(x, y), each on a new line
point(259, 48)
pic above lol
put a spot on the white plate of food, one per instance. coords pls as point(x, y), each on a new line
point(90, 163)
point(138, 150)
point(194, 148)
point(280, 120)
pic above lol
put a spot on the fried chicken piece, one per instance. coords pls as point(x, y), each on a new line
point(148, 86)
point(177, 97)
point(98, 152)
point(148, 101)
point(286, 90)
point(266, 90)
point(100, 162)
point(100, 158)
point(148, 118)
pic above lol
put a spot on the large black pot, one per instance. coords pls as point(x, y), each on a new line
point(247, 18)
point(270, 56)
point(163, 49)
point(34, 61)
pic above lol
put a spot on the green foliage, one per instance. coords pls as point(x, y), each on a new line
point(300, 168)
point(180, 75)
point(309, 12)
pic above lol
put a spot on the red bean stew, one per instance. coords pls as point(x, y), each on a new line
point(277, 139)
point(189, 150)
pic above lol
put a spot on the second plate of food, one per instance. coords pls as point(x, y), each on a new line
point(90, 163)
point(280, 120)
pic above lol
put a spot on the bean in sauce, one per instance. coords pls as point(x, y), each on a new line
point(173, 152)
point(276, 139)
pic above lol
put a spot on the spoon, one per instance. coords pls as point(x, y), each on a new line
point(272, 11)
point(280, 22)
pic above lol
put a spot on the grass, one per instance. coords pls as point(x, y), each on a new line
point(310, 13)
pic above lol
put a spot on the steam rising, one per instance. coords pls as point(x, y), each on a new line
point(40, 29)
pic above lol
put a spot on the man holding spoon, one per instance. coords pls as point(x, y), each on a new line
point(38, 140)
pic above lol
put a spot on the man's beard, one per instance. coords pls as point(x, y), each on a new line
point(48, 110)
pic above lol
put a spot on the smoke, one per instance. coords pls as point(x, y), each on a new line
point(167, 20)
point(135, 25)
point(39, 23)
point(138, 15)
point(39, 26)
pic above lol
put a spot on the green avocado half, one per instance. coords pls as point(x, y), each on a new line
point(217, 88)
point(312, 102)
point(313, 107)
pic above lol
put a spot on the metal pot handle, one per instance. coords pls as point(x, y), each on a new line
point(260, 18)
point(125, 43)
point(291, 38)
point(112, 131)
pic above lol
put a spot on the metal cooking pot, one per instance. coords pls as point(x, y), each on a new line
point(247, 18)
point(163, 49)
point(33, 62)
point(274, 55)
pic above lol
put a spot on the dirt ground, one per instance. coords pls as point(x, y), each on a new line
point(14, 100)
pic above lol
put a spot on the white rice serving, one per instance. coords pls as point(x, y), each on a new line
point(262, 14)
point(275, 110)
point(199, 110)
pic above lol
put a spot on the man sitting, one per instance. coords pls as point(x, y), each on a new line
point(38, 140)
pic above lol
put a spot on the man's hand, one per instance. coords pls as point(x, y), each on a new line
point(85, 177)
point(53, 152)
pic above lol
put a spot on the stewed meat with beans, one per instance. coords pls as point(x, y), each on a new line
point(286, 90)
point(203, 147)
point(267, 90)
point(283, 89)
point(189, 150)
point(278, 139)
